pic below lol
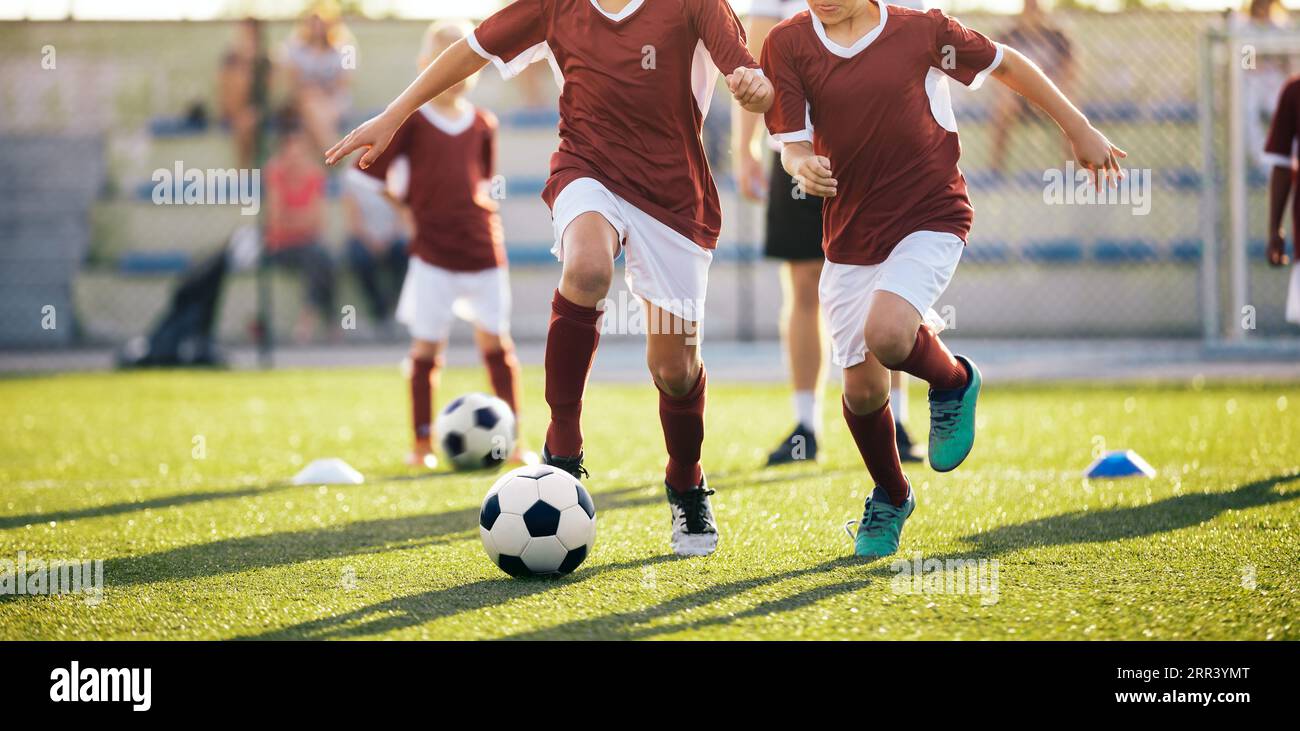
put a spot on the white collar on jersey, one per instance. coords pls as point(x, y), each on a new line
point(616, 17)
point(451, 127)
point(861, 43)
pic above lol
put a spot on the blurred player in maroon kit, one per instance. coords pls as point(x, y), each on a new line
point(1279, 152)
point(630, 177)
point(866, 123)
point(440, 163)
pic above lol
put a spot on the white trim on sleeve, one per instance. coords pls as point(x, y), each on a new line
point(1279, 161)
point(502, 67)
point(978, 81)
point(789, 138)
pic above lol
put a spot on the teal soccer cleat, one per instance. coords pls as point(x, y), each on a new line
point(952, 421)
point(882, 524)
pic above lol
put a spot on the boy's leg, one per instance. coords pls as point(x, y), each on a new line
point(499, 357)
point(871, 422)
point(426, 368)
point(802, 334)
point(868, 416)
point(899, 339)
point(898, 404)
point(673, 356)
point(498, 353)
point(589, 246)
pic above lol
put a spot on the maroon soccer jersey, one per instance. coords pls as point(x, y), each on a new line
point(447, 165)
point(635, 89)
point(1281, 145)
point(879, 113)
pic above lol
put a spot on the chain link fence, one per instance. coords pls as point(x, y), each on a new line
point(90, 111)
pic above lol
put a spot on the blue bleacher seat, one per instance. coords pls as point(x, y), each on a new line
point(979, 252)
point(153, 262)
point(1185, 250)
point(1055, 251)
point(534, 118)
point(176, 126)
point(1182, 112)
point(1123, 251)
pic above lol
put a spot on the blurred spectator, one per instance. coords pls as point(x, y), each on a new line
point(236, 97)
point(378, 232)
point(316, 58)
point(1034, 35)
point(295, 186)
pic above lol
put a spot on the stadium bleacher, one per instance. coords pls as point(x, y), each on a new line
point(120, 246)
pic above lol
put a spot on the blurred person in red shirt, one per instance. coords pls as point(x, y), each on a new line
point(295, 187)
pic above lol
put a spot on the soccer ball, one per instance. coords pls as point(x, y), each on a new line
point(537, 520)
point(476, 431)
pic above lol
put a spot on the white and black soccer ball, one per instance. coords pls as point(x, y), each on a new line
point(476, 431)
point(537, 520)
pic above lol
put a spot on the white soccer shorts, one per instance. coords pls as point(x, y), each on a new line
point(918, 270)
point(432, 296)
point(660, 265)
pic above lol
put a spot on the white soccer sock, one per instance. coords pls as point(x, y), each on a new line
point(808, 409)
point(898, 405)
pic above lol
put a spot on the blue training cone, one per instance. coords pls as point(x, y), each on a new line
point(1119, 463)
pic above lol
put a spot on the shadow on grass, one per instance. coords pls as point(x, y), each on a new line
point(416, 609)
point(183, 499)
point(1121, 523)
point(235, 555)
point(1103, 526)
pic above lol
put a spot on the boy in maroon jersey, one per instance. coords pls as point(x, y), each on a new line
point(630, 176)
point(866, 124)
point(440, 163)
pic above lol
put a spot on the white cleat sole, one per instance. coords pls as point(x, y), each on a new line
point(688, 545)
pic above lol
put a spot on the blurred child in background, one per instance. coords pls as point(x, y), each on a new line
point(295, 186)
point(440, 164)
point(379, 231)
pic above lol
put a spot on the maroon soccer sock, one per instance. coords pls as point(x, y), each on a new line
point(682, 419)
point(874, 435)
point(570, 348)
point(503, 371)
point(423, 371)
point(932, 362)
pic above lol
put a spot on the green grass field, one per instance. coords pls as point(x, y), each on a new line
point(179, 482)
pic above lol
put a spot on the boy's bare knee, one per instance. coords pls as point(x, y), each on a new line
point(426, 350)
point(865, 398)
point(891, 343)
point(589, 278)
point(675, 376)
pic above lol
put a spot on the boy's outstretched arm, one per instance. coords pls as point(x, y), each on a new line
point(1091, 148)
point(456, 64)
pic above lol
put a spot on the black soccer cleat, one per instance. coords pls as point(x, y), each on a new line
point(799, 446)
point(907, 450)
point(572, 465)
point(694, 531)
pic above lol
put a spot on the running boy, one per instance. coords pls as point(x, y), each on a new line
point(865, 124)
point(440, 163)
point(630, 176)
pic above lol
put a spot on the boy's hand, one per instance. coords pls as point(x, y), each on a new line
point(1277, 250)
point(814, 177)
point(751, 89)
point(1095, 153)
point(374, 134)
point(750, 180)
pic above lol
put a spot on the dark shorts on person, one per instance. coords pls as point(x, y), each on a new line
point(794, 224)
